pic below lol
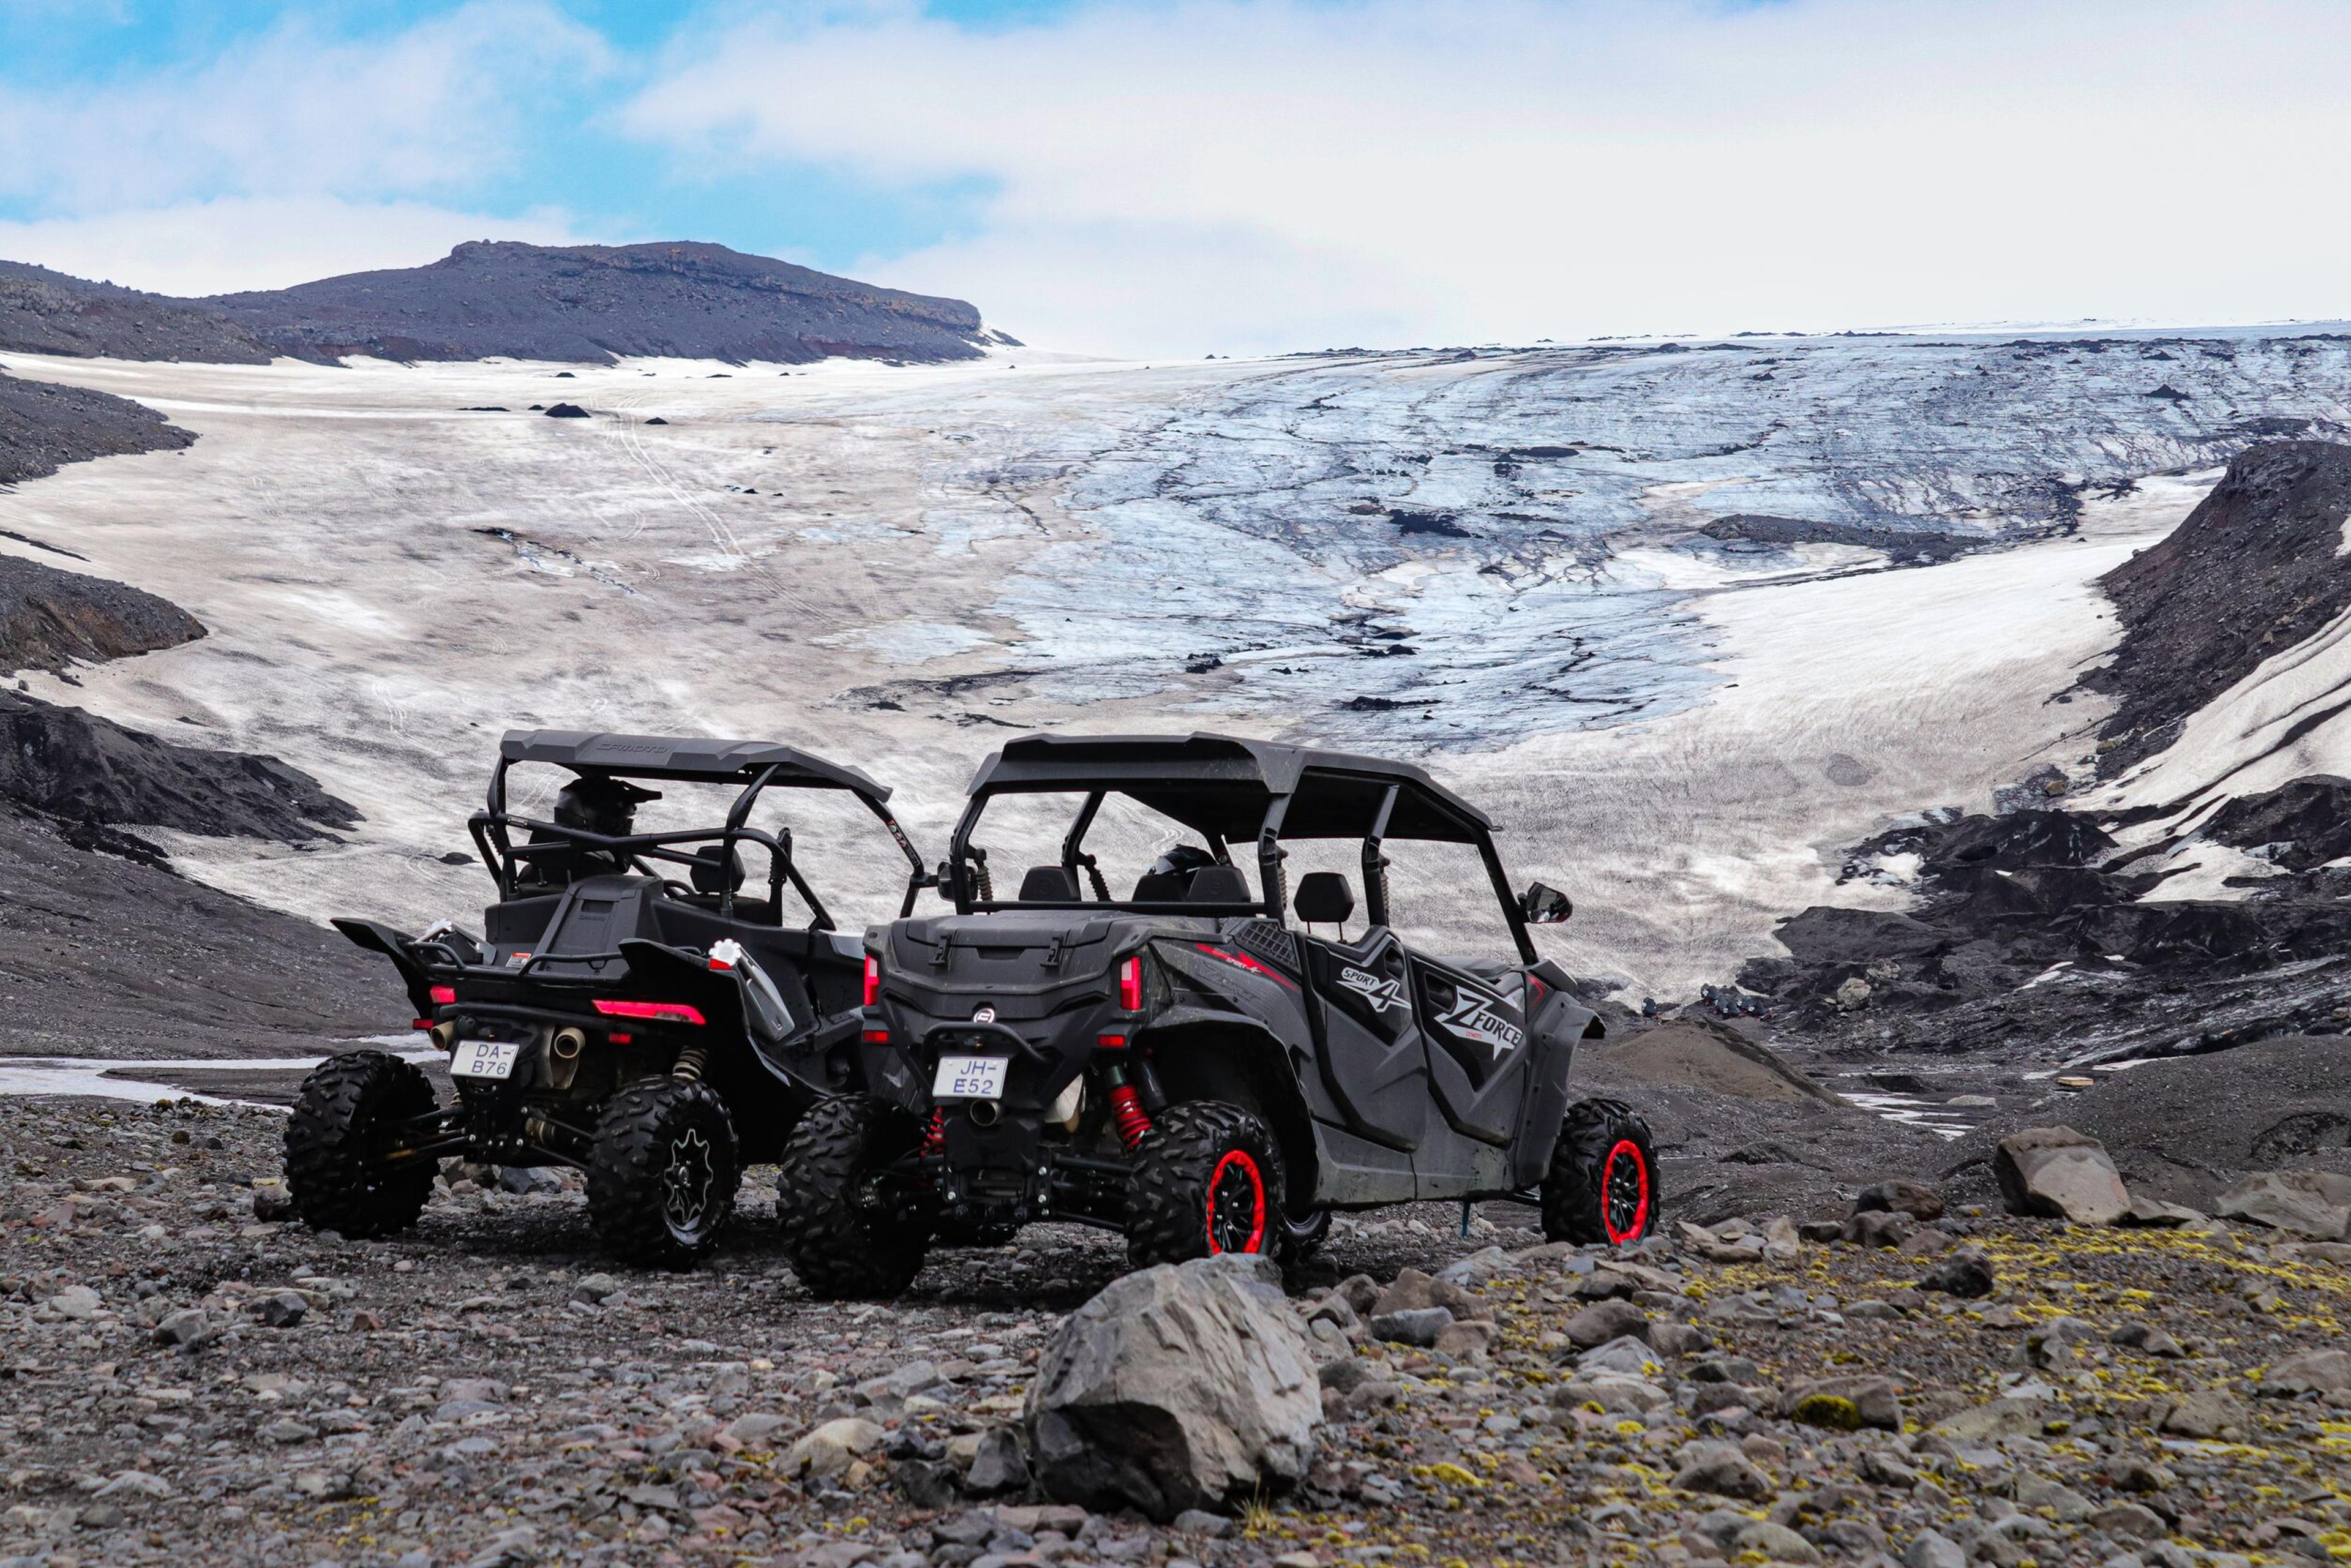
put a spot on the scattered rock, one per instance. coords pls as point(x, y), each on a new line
point(285, 1310)
point(1965, 1273)
point(2131, 1522)
point(1720, 1468)
point(1920, 1202)
point(2309, 1372)
point(1412, 1325)
point(2058, 1173)
point(1931, 1549)
point(829, 1451)
point(2208, 1414)
point(1000, 1465)
point(1775, 1543)
point(2001, 1419)
point(190, 1328)
point(1598, 1324)
point(2309, 1203)
point(1847, 1403)
point(1466, 1339)
point(1879, 1227)
point(1627, 1357)
point(566, 411)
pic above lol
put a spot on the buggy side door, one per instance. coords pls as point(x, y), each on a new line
point(1373, 1060)
point(1475, 1022)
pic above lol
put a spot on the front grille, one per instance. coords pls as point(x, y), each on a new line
point(1269, 941)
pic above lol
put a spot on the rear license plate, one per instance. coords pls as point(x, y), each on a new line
point(484, 1058)
point(969, 1078)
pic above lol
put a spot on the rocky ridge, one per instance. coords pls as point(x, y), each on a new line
point(46, 312)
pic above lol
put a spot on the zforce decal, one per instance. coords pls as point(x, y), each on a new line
point(1474, 1017)
point(1379, 993)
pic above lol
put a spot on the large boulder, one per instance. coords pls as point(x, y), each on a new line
point(2060, 1174)
point(2315, 1203)
point(1182, 1386)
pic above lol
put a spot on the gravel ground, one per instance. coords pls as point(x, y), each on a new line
point(483, 1391)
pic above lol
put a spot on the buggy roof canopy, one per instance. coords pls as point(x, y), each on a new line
point(692, 758)
point(1224, 784)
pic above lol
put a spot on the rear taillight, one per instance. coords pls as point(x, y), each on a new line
point(873, 979)
point(658, 1012)
point(444, 995)
point(1130, 984)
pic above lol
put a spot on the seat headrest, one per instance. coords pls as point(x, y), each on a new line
point(1324, 898)
point(717, 869)
point(1159, 887)
point(1218, 884)
point(1048, 884)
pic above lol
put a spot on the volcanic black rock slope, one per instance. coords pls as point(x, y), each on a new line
point(581, 303)
point(2034, 940)
point(2256, 567)
point(103, 951)
point(43, 426)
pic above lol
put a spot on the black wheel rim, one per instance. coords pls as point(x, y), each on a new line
point(1236, 1207)
point(1624, 1192)
point(687, 1182)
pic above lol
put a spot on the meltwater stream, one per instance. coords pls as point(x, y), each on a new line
point(105, 1078)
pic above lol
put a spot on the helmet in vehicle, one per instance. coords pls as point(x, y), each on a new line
point(595, 804)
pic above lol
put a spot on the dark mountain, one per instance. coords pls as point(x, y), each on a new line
point(594, 303)
point(43, 425)
point(588, 304)
point(45, 312)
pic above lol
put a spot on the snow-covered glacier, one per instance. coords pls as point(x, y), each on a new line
point(1447, 549)
point(1514, 563)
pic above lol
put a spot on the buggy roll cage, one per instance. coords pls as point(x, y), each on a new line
point(757, 765)
point(1227, 790)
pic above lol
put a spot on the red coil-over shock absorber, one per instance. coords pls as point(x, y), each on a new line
point(1126, 1109)
point(935, 1132)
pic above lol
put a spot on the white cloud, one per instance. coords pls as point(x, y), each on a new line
point(260, 242)
point(1273, 173)
point(421, 111)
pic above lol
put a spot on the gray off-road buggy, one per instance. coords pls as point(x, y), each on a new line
point(630, 1008)
point(1181, 1064)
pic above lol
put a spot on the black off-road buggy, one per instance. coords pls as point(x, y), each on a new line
point(631, 1008)
point(1181, 1064)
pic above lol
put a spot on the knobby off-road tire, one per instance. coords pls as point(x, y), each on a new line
point(347, 1114)
point(1207, 1179)
point(840, 1239)
point(1603, 1182)
point(662, 1172)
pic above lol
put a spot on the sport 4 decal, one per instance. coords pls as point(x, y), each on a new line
point(1381, 994)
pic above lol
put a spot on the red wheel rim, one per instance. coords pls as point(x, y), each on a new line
point(1236, 1216)
point(1624, 1192)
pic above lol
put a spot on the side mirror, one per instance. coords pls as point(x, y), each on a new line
point(1544, 905)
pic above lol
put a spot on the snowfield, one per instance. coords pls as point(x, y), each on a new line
point(1487, 559)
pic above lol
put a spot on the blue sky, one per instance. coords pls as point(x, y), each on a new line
point(1229, 175)
point(569, 155)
